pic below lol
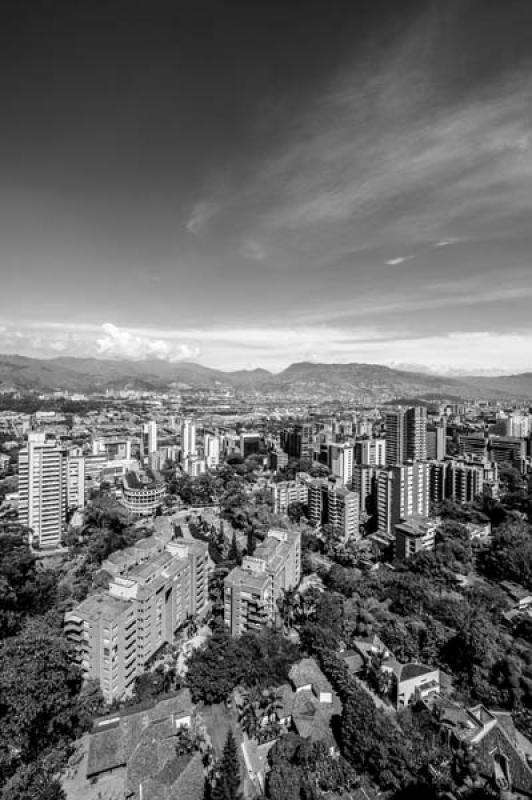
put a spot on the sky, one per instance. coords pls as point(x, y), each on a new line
point(249, 184)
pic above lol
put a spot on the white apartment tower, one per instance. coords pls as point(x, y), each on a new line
point(42, 490)
point(211, 450)
point(188, 438)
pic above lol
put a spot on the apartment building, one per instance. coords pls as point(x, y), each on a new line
point(415, 535)
point(117, 632)
point(332, 504)
point(251, 591)
point(340, 461)
point(75, 482)
point(402, 492)
point(286, 492)
point(371, 451)
point(406, 435)
point(42, 490)
point(456, 480)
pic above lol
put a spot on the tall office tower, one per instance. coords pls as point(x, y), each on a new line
point(75, 469)
point(406, 435)
point(188, 438)
point(402, 492)
point(42, 490)
point(371, 451)
point(249, 443)
point(251, 591)
point(298, 441)
point(437, 440)
point(340, 462)
point(211, 450)
point(148, 440)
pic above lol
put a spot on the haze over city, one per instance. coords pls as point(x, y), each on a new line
point(252, 184)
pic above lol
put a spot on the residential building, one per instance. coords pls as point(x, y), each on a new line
point(406, 435)
point(211, 450)
point(42, 490)
point(116, 633)
point(364, 485)
point(112, 447)
point(286, 492)
point(414, 535)
point(148, 439)
point(251, 591)
point(340, 462)
point(437, 441)
point(402, 492)
point(371, 451)
point(75, 478)
point(474, 444)
point(188, 438)
point(456, 480)
point(332, 504)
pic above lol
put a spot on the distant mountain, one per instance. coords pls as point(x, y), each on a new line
point(304, 378)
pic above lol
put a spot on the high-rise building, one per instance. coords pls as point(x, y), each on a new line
point(406, 435)
point(251, 591)
point(402, 492)
point(340, 462)
point(188, 438)
point(518, 426)
point(437, 441)
point(249, 443)
point(42, 490)
point(371, 451)
point(148, 440)
point(117, 632)
point(75, 468)
point(211, 450)
point(298, 441)
point(341, 510)
point(456, 480)
point(364, 485)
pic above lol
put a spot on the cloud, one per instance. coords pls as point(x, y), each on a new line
point(393, 262)
point(122, 343)
point(445, 242)
point(200, 216)
point(253, 250)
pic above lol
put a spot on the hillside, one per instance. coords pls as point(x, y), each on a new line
point(90, 374)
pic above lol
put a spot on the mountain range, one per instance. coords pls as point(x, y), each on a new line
point(92, 374)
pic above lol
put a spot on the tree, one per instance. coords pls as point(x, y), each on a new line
point(227, 785)
point(39, 687)
point(234, 554)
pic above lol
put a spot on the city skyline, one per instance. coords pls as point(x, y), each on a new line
point(268, 185)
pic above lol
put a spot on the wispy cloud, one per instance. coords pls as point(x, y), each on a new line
point(393, 262)
point(200, 216)
point(253, 250)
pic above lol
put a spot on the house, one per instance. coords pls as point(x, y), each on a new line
point(307, 676)
point(413, 681)
point(139, 745)
point(502, 755)
point(519, 596)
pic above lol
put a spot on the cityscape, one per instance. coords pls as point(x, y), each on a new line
point(266, 400)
